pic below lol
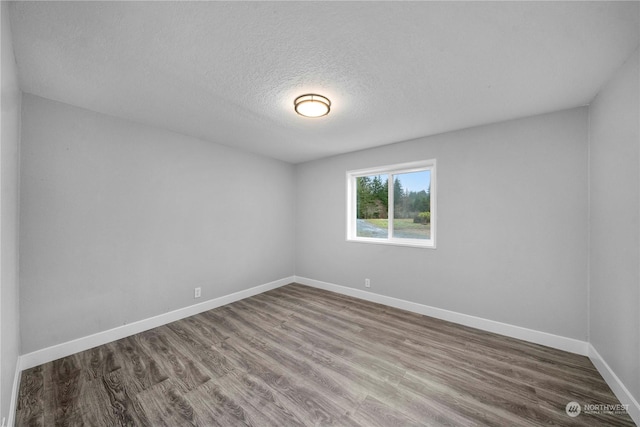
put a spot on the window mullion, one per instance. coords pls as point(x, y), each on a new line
point(390, 210)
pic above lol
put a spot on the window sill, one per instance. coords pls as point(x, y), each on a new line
point(395, 242)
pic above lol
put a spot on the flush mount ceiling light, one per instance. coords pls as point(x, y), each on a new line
point(312, 105)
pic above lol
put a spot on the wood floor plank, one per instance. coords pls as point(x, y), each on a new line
point(262, 400)
point(195, 340)
point(173, 359)
point(360, 355)
point(95, 364)
point(30, 404)
point(259, 314)
point(467, 402)
point(165, 405)
point(240, 399)
point(215, 405)
point(123, 407)
point(358, 368)
point(141, 367)
point(283, 351)
point(297, 355)
point(374, 412)
point(65, 382)
point(310, 403)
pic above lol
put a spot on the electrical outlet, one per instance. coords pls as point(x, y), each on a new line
point(367, 283)
point(197, 292)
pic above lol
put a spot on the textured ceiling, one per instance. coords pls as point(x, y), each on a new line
point(228, 72)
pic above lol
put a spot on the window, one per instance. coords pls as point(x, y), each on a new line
point(393, 204)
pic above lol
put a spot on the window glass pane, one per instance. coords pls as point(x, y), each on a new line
point(412, 205)
point(372, 206)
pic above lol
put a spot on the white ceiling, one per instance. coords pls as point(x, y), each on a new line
point(228, 72)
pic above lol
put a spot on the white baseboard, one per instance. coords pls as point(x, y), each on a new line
point(14, 393)
point(49, 354)
point(622, 393)
point(550, 340)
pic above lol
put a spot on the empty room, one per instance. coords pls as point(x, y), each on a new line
point(320, 213)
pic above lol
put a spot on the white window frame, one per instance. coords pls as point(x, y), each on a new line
point(391, 170)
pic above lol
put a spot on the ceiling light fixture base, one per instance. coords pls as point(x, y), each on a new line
point(312, 105)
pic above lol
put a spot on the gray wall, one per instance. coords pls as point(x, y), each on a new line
point(614, 226)
point(120, 221)
point(512, 224)
point(10, 124)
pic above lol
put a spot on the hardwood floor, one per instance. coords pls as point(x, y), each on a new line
point(302, 356)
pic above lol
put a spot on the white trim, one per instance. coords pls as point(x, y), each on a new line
point(49, 354)
point(622, 393)
point(550, 340)
point(411, 243)
point(395, 168)
point(14, 392)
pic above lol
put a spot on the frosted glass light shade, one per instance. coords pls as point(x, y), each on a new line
point(312, 105)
